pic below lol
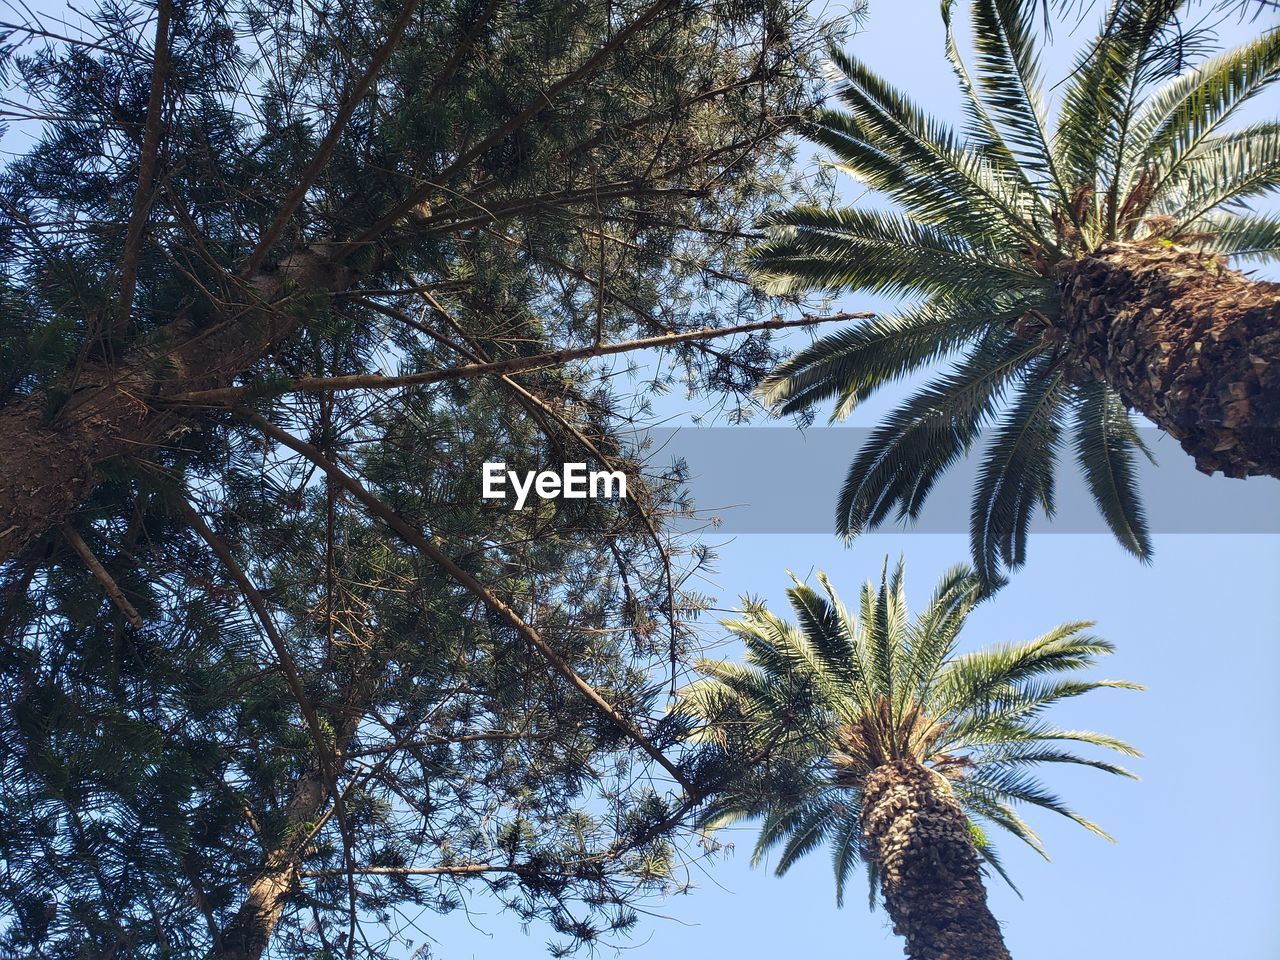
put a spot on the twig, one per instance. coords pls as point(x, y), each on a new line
point(259, 605)
point(142, 198)
point(326, 753)
point(329, 143)
point(539, 103)
point(100, 572)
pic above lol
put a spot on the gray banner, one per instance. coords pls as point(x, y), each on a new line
point(784, 480)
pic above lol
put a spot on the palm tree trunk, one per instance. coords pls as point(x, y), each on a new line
point(1188, 342)
point(917, 835)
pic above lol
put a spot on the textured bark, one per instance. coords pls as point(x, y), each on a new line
point(915, 831)
point(249, 932)
point(247, 935)
point(1186, 341)
point(49, 460)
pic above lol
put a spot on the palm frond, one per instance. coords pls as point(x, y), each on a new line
point(846, 849)
point(987, 851)
point(971, 681)
point(830, 637)
point(1044, 733)
point(1008, 715)
point(1020, 787)
point(779, 649)
point(1226, 171)
point(856, 361)
point(983, 133)
point(932, 637)
point(781, 824)
point(1105, 442)
point(1008, 79)
point(884, 118)
point(1001, 815)
point(1095, 141)
point(811, 248)
point(1026, 755)
point(1251, 236)
point(1017, 473)
point(882, 621)
point(1178, 118)
point(915, 444)
point(805, 836)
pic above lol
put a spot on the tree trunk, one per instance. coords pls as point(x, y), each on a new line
point(247, 935)
point(49, 459)
point(918, 836)
point(249, 932)
point(1189, 343)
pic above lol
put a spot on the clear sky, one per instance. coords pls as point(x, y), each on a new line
point(1194, 871)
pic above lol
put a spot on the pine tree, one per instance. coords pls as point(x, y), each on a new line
point(276, 280)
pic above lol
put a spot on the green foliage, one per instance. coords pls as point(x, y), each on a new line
point(982, 218)
point(307, 693)
point(819, 704)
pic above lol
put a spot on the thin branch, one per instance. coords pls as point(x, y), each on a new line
point(325, 751)
point(641, 509)
point(100, 572)
point(460, 52)
point(377, 381)
point(541, 102)
point(465, 869)
point(259, 605)
point(143, 196)
point(457, 220)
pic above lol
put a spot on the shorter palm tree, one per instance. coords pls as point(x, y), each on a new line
point(872, 734)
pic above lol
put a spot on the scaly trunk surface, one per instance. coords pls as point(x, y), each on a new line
point(917, 834)
point(1186, 341)
point(247, 935)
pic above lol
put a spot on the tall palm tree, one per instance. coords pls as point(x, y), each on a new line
point(872, 734)
point(1076, 271)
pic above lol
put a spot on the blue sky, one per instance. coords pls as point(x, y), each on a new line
point(1193, 872)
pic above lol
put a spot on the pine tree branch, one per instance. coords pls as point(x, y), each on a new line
point(464, 869)
point(100, 573)
point(447, 219)
point(329, 143)
point(539, 103)
point(375, 381)
point(460, 52)
point(641, 508)
point(433, 550)
point(544, 410)
point(258, 603)
point(327, 755)
point(145, 194)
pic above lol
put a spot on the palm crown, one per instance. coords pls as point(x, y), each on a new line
point(985, 219)
point(820, 705)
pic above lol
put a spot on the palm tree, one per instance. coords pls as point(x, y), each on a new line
point(873, 735)
point(1074, 274)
